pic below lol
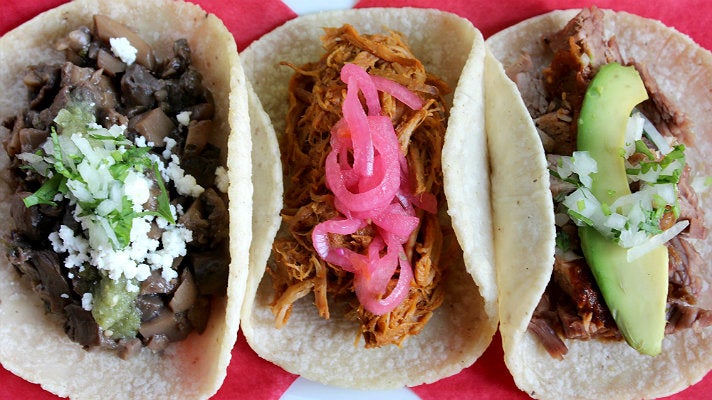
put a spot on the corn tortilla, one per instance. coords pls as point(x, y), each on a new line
point(591, 369)
point(33, 345)
point(460, 330)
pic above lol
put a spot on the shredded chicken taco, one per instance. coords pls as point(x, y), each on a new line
point(127, 197)
point(600, 212)
point(378, 276)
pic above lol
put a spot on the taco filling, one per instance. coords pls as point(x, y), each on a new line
point(120, 214)
point(363, 181)
point(662, 186)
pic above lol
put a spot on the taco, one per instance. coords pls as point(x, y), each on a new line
point(565, 332)
point(347, 340)
point(118, 278)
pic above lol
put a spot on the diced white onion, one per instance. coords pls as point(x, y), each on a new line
point(638, 251)
point(106, 206)
point(584, 165)
point(632, 237)
point(658, 139)
point(79, 191)
point(30, 158)
point(633, 132)
point(667, 192)
point(616, 221)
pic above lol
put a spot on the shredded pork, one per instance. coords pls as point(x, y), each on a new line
point(316, 93)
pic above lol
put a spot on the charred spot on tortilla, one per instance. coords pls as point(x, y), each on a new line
point(572, 306)
point(318, 93)
point(119, 223)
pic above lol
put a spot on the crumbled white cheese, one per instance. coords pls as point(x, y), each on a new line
point(64, 296)
point(56, 242)
point(183, 117)
point(143, 271)
point(115, 262)
point(170, 144)
point(64, 241)
point(95, 188)
point(138, 189)
point(174, 240)
point(185, 184)
point(137, 260)
point(140, 141)
point(87, 301)
point(141, 244)
point(122, 48)
point(221, 180)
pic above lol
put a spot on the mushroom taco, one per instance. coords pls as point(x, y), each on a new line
point(327, 241)
point(609, 137)
point(119, 121)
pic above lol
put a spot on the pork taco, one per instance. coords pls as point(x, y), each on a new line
point(604, 291)
point(316, 304)
point(125, 131)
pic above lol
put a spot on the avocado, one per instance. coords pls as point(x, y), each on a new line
point(635, 292)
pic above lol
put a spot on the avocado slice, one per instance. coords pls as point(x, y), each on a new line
point(635, 292)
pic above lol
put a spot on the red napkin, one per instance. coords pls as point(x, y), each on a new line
point(249, 376)
point(688, 16)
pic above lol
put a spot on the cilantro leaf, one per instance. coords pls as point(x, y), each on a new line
point(45, 194)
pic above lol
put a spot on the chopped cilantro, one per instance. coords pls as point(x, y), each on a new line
point(563, 241)
point(87, 169)
point(45, 194)
point(642, 148)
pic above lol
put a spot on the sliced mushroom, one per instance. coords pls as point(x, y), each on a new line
point(155, 284)
point(201, 111)
point(186, 293)
point(199, 314)
point(72, 74)
point(198, 135)
point(31, 139)
point(174, 326)
point(154, 126)
point(164, 322)
point(81, 327)
point(211, 271)
point(111, 65)
point(138, 87)
point(52, 286)
point(150, 306)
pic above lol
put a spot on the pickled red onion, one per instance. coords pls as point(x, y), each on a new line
point(400, 92)
point(380, 195)
point(367, 290)
point(320, 238)
point(357, 79)
point(372, 188)
point(352, 74)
